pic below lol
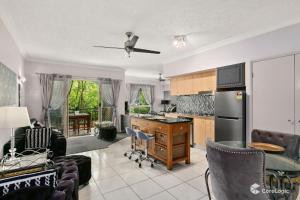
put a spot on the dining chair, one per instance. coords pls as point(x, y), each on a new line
point(235, 173)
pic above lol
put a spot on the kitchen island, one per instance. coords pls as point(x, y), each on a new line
point(171, 142)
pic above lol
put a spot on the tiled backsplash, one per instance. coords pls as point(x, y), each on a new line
point(196, 104)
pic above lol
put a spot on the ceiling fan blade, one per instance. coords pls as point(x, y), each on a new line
point(144, 51)
point(133, 41)
point(108, 47)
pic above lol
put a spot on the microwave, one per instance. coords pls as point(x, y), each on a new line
point(230, 77)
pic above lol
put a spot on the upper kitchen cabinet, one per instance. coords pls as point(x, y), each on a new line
point(274, 94)
point(174, 86)
point(193, 83)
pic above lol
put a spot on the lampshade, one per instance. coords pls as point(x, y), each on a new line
point(14, 117)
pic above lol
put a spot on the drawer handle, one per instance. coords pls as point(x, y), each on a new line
point(181, 128)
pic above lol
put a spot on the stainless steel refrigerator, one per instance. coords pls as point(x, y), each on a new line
point(230, 116)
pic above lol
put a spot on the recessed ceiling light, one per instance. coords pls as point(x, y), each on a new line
point(179, 41)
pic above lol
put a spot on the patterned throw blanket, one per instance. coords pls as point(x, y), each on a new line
point(44, 178)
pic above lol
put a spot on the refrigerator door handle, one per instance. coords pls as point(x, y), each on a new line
point(228, 118)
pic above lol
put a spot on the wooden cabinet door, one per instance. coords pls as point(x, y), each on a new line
point(210, 129)
point(197, 83)
point(273, 94)
point(174, 86)
point(199, 131)
point(188, 84)
point(212, 82)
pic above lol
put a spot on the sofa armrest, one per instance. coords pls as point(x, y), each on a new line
point(58, 144)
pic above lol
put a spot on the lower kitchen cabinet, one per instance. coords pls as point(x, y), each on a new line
point(204, 128)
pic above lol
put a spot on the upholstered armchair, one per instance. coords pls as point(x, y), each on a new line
point(233, 171)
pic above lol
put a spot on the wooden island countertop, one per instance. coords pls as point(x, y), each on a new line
point(171, 143)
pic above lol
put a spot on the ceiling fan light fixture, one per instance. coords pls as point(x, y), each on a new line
point(179, 41)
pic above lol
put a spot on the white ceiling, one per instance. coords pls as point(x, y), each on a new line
point(66, 30)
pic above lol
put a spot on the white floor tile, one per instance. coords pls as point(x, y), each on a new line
point(111, 184)
point(125, 168)
point(122, 194)
point(113, 173)
point(162, 196)
point(134, 177)
point(103, 173)
point(199, 184)
point(205, 198)
point(185, 192)
point(90, 192)
point(146, 188)
point(167, 181)
point(153, 172)
point(186, 173)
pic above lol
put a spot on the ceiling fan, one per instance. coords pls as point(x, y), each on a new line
point(130, 44)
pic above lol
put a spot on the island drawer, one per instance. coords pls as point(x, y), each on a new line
point(180, 128)
point(161, 152)
point(178, 151)
point(161, 138)
point(162, 128)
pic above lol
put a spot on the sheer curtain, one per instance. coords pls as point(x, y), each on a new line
point(133, 91)
point(148, 91)
point(46, 82)
point(110, 90)
point(149, 95)
point(58, 111)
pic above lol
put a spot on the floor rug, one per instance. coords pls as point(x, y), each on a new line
point(89, 143)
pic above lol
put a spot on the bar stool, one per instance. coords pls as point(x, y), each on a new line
point(131, 133)
point(141, 135)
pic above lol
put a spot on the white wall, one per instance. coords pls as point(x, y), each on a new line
point(33, 89)
point(12, 58)
point(282, 41)
point(151, 81)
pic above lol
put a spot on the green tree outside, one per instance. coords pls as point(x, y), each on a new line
point(84, 96)
point(141, 106)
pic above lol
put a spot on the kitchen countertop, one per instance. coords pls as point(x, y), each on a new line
point(163, 119)
point(193, 116)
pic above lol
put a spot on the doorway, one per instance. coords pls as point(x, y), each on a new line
point(83, 107)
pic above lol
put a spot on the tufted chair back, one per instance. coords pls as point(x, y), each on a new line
point(290, 142)
point(235, 171)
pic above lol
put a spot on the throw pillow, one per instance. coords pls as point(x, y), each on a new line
point(38, 138)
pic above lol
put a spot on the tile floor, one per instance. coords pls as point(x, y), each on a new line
point(115, 177)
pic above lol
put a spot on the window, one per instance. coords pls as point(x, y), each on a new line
point(140, 106)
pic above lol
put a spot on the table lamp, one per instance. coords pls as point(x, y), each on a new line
point(13, 117)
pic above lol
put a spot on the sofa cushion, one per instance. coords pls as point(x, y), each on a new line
point(38, 138)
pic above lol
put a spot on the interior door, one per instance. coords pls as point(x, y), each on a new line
point(273, 94)
point(297, 94)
